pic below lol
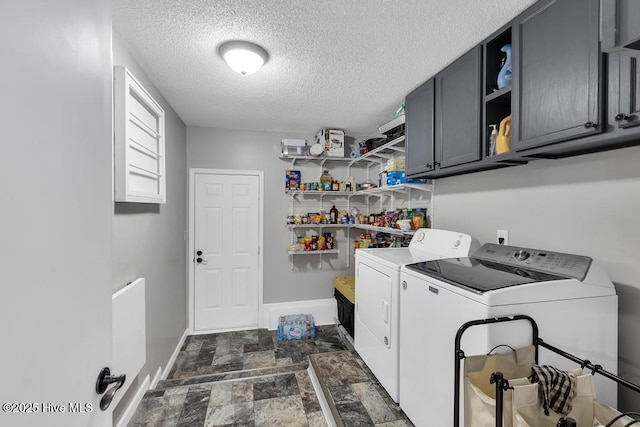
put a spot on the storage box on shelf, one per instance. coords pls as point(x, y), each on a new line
point(332, 140)
point(293, 147)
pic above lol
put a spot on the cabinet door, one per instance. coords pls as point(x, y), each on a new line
point(458, 110)
point(625, 107)
point(620, 29)
point(556, 71)
point(419, 129)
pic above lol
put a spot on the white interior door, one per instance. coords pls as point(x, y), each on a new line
point(226, 250)
point(55, 180)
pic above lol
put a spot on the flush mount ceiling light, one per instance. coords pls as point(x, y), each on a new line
point(242, 56)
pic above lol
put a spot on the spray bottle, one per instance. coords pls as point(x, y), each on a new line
point(492, 140)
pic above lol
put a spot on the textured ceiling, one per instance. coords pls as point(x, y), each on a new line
point(344, 64)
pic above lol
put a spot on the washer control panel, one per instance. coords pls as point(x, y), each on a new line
point(443, 242)
point(568, 265)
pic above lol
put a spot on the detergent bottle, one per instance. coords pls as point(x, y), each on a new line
point(504, 76)
point(503, 141)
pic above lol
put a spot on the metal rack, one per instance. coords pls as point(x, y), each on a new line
point(385, 197)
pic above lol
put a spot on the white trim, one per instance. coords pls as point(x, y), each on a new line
point(217, 331)
point(128, 413)
point(190, 245)
point(172, 359)
point(157, 377)
point(322, 399)
point(324, 311)
point(149, 384)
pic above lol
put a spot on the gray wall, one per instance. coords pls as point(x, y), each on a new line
point(251, 150)
point(585, 205)
point(149, 240)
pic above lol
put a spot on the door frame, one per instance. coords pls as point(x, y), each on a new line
point(191, 209)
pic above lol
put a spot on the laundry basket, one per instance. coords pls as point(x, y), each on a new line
point(524, 408)
point(479, 383)
point(498, 392)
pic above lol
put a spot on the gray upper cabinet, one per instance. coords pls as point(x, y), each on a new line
point(419, 129)
point(562, 101)
point(556, 71)
point(624, 93)
point(620, 26)
point(458, 111)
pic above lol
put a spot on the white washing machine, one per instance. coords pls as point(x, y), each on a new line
point(378, 292)
point(571, 299)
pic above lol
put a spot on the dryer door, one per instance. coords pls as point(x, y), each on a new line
point(374, 302)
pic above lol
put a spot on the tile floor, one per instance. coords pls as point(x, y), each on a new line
point(249, 378)
point(356, 397)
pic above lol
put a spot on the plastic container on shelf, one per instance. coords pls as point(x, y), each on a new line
point(503, 140)
point(417, 219)
point(326, 181)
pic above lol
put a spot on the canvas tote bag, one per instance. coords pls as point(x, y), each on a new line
point(528, 412)
point(480, 394)
point(604, 415)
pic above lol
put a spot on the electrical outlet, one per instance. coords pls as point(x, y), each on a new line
point(503, 237)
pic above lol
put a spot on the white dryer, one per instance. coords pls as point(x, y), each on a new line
point(377, 319)
point(569, 296)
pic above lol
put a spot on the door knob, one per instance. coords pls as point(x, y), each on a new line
point(200, 261)
point(199, 253)
point(590, 125)
point(104, 379)
point(621, 117)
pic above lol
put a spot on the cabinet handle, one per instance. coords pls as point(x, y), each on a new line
point(437, 164)
point(590, 125)
point(621, 117)
point(428, 165)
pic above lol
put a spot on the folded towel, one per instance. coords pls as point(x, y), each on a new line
point(557, 388)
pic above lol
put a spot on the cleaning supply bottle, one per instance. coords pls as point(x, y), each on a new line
point(504, 76)
point(503, 141)
point(492, 140)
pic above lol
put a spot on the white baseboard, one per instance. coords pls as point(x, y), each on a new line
point(219, 331)
point(324, 311)
point(173, 358)
point(133, 405)
point(156, 378)
point(149, 384)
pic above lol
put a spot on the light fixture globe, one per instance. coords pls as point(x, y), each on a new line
point(243, 57)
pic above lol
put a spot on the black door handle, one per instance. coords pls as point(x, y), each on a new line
point(104, 379)
point(199, 253)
